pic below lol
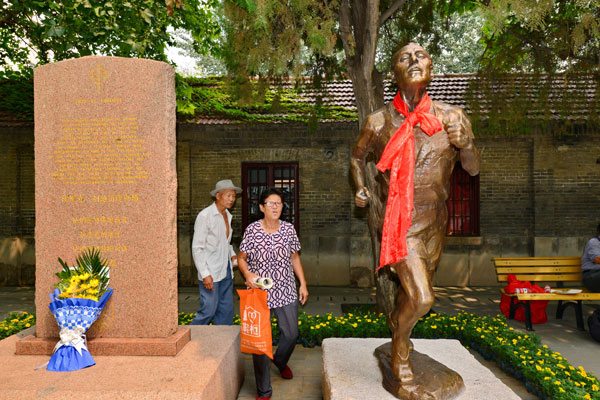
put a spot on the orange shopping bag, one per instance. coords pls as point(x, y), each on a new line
point(256, 322)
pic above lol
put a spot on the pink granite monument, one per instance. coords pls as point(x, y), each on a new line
point(105, 177)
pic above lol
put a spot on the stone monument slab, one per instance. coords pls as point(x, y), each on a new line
point(105, 177)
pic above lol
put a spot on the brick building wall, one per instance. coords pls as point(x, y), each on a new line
point(538, 196)
point(208, 153)
point(17, 206)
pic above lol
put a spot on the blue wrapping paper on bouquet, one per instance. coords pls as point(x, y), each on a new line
point(74, 317)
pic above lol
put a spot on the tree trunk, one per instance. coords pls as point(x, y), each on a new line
point(358, 29)
point(385, 283)
point(359, 25)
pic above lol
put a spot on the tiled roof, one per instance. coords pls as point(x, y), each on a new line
point(540, 97)
point(452, 89)
point(537, 97)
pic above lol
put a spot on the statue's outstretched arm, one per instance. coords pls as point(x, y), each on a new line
point(470, 158)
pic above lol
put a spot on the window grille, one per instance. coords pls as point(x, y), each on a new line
point(463, 203)
point(258, 177)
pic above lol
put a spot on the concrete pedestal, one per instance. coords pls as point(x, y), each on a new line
point(169, 346)
point(210, 366)
point(350, 370)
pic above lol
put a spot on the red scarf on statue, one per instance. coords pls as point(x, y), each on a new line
point(399, 156)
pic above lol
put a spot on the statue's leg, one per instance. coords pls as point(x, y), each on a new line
point(414, 299)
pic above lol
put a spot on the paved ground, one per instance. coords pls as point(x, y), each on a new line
point(561, 335)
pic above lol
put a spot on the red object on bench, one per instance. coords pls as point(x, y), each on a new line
point(538, 307)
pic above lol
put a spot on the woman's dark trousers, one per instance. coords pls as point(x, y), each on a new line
point(287, 319)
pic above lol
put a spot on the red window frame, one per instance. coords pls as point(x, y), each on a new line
point(256, 176)
point(463, 203)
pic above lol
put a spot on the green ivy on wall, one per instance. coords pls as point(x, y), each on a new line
point(16, 92)
point(215, 98)
point(207, 98)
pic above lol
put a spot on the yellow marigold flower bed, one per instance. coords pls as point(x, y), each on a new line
point(15, 323)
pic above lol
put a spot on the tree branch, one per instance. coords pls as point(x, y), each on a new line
point(8, 18)
point(346, 35)
point(370, 35)
point(390, 11)
point(543, 48)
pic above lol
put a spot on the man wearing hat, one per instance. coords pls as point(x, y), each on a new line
point(214, 257)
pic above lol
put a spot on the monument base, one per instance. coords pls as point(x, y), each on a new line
point(432, 379)
point(210, 366)
point(350, 370)
point(169, 346)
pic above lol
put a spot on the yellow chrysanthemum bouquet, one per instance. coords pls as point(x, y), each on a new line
point(76, 303)
point(88, 279)
point(81, 286)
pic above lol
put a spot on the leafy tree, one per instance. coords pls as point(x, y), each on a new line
point(200, 64)
point(273, 40)
point(37, 32)
point(557, 38)
point(454, 43)
point(55, 30)
point(543, 36)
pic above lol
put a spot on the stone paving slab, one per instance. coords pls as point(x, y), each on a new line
point(307, 365)
point(17, 299)
point(351, 371)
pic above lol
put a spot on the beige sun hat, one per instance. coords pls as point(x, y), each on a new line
point(225, 184)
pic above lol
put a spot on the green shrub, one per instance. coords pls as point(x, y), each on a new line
point(15, 323)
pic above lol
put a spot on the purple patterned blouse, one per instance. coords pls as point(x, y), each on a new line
point(270, 256)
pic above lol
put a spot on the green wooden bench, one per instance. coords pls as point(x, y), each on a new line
point(554, 271)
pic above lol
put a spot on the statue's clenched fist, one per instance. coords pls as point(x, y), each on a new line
point(362, 197)
point(456, 133)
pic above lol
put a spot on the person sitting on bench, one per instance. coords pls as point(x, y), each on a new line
point(590, 263)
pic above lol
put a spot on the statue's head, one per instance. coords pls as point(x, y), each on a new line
point(412, 65)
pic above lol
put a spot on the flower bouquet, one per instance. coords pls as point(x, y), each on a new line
point(76, 303)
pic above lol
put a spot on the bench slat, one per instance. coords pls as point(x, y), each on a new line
point(545, 269)
point(533, 262)
point(556, 296)
point(536, 258)
point(540, 270)
point(543, 277)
